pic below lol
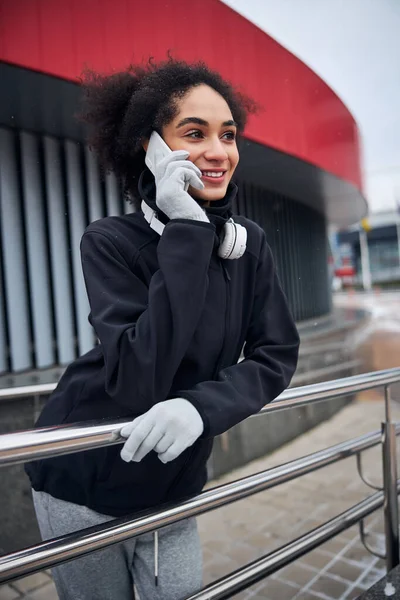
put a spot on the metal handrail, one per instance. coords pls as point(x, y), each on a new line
point(67, 547)
point(67, 439)
point(25, 391)
point(327, 390)
point(257, 570)
point(40, 443)
point(371, 380)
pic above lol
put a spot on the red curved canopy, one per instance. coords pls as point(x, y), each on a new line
point(301, 115)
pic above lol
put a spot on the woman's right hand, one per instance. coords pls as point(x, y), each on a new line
point(171, 175)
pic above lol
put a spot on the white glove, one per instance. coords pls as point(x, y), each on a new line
point(171, 175)
point(168, 428)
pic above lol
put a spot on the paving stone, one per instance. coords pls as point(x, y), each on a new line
point(308, 595)
point(297, 574)
point(48, 592)
point(329, 586)
point(246, 595)
point(334, 546)
point(358, 554)
point(371, 578)
point(8, 593)
point(317, 559)
point(274, 589)
point(379, 564)
point(260, 541)
point(379, 524)
point(346, 570)
point(31, 582)
point(355, 593)
point(217, 546)
point(207, 554)
point(244, 553)
point(239, 531)
point(220, 567)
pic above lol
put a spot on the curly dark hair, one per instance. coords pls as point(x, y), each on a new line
point(122, 109)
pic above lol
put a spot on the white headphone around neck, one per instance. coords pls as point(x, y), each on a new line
point(233, 242)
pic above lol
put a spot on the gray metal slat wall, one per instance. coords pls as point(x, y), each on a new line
point(297, 236)
point(50, 190)
point(77, 222)
point(3, 333)
point(113, 195)
point(94, 191)
point(62, 289)
point(16, 314)
point(37, 255)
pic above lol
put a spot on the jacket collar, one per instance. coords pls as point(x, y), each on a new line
point(218, 212)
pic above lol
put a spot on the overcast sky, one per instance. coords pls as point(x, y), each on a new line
point(354, 45)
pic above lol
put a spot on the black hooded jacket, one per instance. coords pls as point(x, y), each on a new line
point(171, 318)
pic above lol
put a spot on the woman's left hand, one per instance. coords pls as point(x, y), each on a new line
point(168, 428)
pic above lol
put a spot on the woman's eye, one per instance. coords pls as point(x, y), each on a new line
point(198, 134)
point(230, 135)
point(195, 133)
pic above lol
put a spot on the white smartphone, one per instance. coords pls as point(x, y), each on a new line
point(156, 151)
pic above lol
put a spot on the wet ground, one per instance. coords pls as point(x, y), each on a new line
point(377, 343)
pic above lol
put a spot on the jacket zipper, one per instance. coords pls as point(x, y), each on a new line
point(227, 278)
point(184, 469)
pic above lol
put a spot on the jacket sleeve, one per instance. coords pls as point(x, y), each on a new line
point(270, 352)
point(145, 330)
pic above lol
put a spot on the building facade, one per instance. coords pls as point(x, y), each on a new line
point(381, 249)
point(299, 168)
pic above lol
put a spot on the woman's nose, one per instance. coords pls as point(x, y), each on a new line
point(216, 150)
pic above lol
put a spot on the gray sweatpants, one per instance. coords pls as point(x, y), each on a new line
point(110, 574)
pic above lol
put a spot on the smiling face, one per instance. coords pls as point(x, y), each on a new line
point(204, 126)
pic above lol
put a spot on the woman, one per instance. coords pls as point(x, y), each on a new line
point(175, 291)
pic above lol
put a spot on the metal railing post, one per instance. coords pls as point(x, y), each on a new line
point(391, 513)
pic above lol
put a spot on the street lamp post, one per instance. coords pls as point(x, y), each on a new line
point(365, 266)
